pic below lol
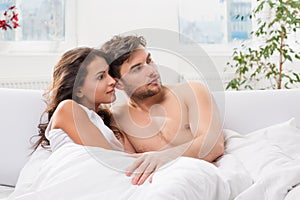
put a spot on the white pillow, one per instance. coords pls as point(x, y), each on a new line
point(266, 149)
point(19, 118)
point(286, 135)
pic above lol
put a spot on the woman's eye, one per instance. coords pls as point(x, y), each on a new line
point(100, 77)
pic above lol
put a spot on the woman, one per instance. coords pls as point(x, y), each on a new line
point(81, 83)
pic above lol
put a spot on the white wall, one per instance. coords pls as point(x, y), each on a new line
point(26, 66)
point(98, 20)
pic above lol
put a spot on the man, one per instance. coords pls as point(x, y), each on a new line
point(179, 120)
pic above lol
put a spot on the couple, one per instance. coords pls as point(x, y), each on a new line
point(157, 124)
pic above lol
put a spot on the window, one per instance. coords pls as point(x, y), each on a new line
point(45, 25)
point(215, 21)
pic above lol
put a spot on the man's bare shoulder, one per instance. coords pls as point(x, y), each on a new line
point(119, 107)
point(188, 88)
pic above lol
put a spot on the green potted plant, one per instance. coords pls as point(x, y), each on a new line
point(271, 59)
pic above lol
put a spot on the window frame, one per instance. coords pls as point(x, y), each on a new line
point(217, 49)
point(47, 46)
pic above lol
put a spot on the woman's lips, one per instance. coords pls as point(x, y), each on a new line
point(111, 91)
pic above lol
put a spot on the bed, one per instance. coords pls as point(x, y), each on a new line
point(261, 160)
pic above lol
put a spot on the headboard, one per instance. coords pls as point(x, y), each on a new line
point(246, 111)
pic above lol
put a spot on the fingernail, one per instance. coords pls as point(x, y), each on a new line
point(134, 182)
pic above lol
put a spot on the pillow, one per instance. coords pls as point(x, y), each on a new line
point(266, 149)
point(19, 118)
point(286, 135)
point(271, 156)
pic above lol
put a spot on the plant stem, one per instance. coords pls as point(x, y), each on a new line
point(280, 59)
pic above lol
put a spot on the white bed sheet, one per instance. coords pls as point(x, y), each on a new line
point(261, 165)
point(272, 158)
point(5, 192)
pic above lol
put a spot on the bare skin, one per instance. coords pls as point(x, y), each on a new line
point(181, 120)
point(169, 123)
point(164, 122)
point(69, 116)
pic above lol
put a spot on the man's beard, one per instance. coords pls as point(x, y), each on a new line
point(145, 94)
point(141, 94)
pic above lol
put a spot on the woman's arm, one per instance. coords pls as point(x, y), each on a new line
point(70, 117)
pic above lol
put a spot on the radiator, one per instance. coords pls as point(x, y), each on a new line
point(43, 83)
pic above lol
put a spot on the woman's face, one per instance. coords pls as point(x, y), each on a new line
point(98, 86)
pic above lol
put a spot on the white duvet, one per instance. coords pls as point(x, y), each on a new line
point(262, 165)
point(73, 172)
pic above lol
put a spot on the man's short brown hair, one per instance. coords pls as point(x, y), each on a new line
point(119, 49)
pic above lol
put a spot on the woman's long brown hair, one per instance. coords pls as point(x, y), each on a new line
point(69, 74)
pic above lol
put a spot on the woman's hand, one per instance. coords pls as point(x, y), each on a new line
point(147, 163)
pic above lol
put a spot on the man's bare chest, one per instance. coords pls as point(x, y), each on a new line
point(162, 127)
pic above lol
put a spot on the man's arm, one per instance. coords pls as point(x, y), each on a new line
point(205, 124)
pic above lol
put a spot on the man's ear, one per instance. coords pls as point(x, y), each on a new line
point(79, 93)
point(119, 84)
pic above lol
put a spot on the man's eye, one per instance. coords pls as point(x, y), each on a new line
point(137, 68)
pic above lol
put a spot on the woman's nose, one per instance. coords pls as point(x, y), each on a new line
point(112, 81)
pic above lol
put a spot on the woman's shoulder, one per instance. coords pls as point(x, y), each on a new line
point(69, 106)
point(66, 111)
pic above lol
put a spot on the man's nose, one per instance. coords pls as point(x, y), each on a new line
point(152, 69)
